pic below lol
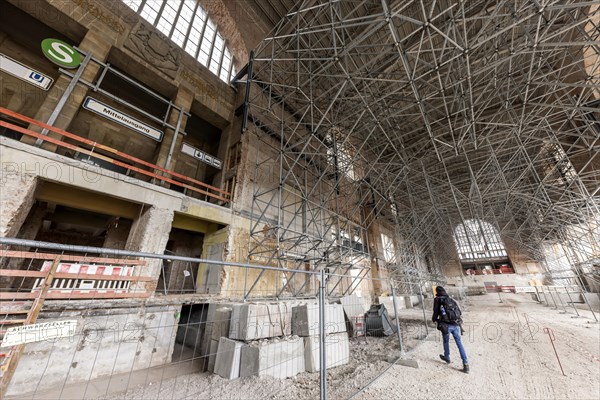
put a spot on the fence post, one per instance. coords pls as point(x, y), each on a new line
point(537, 293)
point(423, 307)
point(397, 320)
point(571, 301)
point(560, 299)
point(322, 333)
point(552, 297)
point(545, 297)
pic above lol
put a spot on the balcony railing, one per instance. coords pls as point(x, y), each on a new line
point(494, 271)
point(88, 147)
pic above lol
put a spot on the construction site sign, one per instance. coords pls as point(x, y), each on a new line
point(38, 332)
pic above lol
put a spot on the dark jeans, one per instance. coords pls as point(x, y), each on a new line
point(454, 330)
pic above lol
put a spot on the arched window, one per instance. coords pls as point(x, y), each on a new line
point(478, 240)
point(187, 25)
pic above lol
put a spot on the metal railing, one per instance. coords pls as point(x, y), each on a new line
point(157, 173)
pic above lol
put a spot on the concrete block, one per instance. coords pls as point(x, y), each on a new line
point(228, 360)
point(206, 320)
point(218, 328)
point(354, 305)
point(213, 349)
point(414, 300)
point(403, 301)
point(221, 323)
point(337, 351)
point(593, 299)
point(305, 319)
point(279, 358)
point(388, 302)
point(259, 321)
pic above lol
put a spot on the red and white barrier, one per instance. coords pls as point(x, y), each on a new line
point(81, 285)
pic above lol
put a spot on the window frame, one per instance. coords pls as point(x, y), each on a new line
point(478, 240)
point(210, 64)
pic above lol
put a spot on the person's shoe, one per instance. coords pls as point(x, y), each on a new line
point(465, 368)
point(445, 359)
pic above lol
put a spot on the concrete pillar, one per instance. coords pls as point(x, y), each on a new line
point(375, 250)
point(214, 247)
point(117, 233)
point(183, 98)
point(17, 191)
point(29, 230)
point(150, 233)
point(93, 42)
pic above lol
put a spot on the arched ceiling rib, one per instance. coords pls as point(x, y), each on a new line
point(455, 109)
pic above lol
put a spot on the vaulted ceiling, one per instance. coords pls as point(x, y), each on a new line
point(449, 109)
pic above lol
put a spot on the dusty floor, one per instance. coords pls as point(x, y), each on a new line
point(508, 361)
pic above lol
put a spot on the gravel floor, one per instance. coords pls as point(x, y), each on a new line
point(508, 361)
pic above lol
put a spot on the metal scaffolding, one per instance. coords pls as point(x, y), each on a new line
point(419, 115)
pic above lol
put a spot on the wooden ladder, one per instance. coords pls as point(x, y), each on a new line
point(12, 357)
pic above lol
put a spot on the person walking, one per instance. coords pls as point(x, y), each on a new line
point(447, 314)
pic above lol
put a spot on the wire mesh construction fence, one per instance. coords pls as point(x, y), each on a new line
point(83, 322)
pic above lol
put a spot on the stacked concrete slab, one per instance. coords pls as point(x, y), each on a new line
point(228, 359)
point(219, 328)
point(260, 321)
point(255, 339)
point(279, 358)
point(306, 319)
point(337, 351)
point(205, 340)
point(234, 331)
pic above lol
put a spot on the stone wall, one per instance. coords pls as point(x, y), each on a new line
point(106, 342)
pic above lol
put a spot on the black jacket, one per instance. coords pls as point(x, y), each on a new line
point(436, 308)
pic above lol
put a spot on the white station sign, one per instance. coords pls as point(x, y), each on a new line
point(23, 72)
point(121, 118)
point(202, 156)
point(38, 332)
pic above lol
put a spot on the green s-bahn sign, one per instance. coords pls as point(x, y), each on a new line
point(61, 53)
